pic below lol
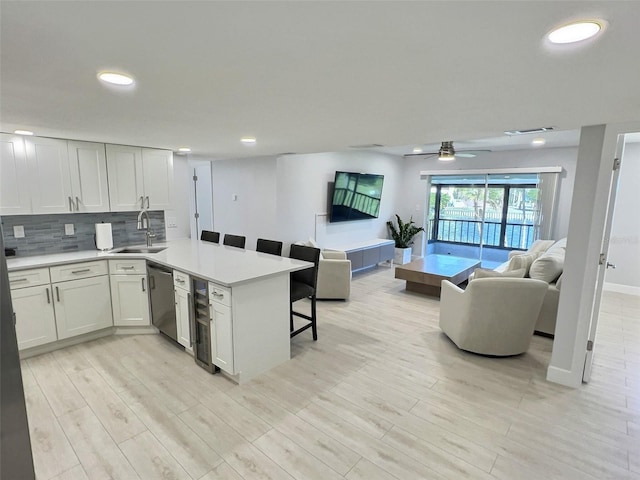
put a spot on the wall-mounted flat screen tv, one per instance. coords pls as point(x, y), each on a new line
point(356, 196)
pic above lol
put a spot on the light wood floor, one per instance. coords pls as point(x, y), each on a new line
point(383, 394)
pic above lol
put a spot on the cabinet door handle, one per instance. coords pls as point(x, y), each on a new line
point(191, 320)
point(179, 280)
point(143, 288)
point(148, 206)
point(48, 297)
point(141, 202)
point(77, 204)
point(84, 270)
point(16, 280)
point(70, 204)
point(58, 294)
point(130, 267)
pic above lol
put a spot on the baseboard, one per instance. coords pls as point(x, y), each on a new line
point(146, 330)
point(619, 288)
point(563, 377)
point(67, 342)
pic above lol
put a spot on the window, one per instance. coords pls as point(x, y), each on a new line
point(493, 211)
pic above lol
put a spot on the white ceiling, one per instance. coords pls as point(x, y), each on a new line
point(312, 76)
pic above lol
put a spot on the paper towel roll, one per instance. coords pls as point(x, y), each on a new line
point(104, 239)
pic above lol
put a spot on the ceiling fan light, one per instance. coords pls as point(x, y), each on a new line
point(446, 153)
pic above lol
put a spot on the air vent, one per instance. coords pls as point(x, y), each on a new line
point(527, 132)
point(370, 145)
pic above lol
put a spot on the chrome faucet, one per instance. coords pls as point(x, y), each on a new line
point(142, 225)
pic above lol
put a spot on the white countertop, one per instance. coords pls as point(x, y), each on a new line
point(219, 263)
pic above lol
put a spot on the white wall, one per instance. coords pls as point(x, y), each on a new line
point(303, 196)
point(286, 198)
point(253, 183)
point(624, 247)
point(413, 200)
point(180, 208)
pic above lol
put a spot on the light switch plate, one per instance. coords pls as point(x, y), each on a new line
point(172, 222)
point(18, 231)
point(68, 229)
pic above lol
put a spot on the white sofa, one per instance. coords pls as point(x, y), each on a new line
point(493, 316)
point(543, 261)
point(334, 274)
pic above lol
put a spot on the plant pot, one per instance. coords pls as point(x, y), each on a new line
point(402, 256)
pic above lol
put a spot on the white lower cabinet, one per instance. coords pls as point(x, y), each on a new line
point(35, 319)
point(182, 295)
point(183, 318)
point(221, 327)
point(130, 300)
point(46, 312)
point(82, 306)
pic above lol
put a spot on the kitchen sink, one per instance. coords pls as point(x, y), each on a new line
point(141, 250)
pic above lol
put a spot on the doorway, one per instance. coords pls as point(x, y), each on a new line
point(617, 298)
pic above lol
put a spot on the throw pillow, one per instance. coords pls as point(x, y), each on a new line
point(484, 273)
point(549, 265)
point(559, 282)
point(521, 261)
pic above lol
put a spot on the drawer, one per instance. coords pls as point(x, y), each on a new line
point(219, 294)
point(124, 266)
point(181, 280)
point(29, 278)
point(73, 271)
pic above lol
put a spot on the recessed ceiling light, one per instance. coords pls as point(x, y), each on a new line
point(536, 142)
point(417, 150)
point(248, 140)
point(115, 78)
point(23, 132)
point(184, 150)
point(575, 32)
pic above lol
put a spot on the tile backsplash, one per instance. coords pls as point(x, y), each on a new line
point(46, 233)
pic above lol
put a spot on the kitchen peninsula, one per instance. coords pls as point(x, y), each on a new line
point(256, 287)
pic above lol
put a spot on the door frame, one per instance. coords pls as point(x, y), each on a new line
point(584, 242)
point(603, 263)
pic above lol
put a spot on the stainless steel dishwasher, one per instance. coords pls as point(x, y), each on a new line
point(163, 309)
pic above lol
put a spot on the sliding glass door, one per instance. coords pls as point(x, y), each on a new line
point(484, 216)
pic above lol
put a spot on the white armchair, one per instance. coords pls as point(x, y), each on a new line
point(493, 316)
point(334, 276)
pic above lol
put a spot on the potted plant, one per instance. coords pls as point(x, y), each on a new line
point(403, 237)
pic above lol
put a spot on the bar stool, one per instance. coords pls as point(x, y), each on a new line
point(209, 236)
point(303, 285)
point(272, 247)
point(234, 240)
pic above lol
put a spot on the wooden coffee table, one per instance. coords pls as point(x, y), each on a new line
point(426, 274)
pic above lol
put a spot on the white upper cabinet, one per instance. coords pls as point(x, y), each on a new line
point(126, 191)
point(88, 168)
point(157, 175)
point(15, 197)
point(49, 176)
point(139, 178)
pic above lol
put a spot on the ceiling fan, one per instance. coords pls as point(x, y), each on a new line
point(448, 153)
